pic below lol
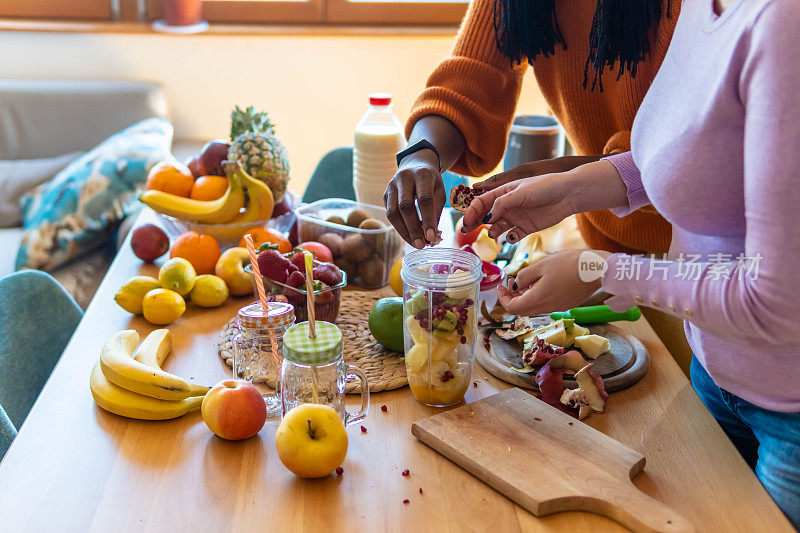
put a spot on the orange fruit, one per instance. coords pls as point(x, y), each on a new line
point(172, 177)
point(209, 188)
point(202, 251)
point(262, 235)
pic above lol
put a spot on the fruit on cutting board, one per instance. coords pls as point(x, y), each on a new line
point(260, 201)
point(209, 291)
point(149, 242)
point(163, 306)
point(386, 323)
point(217, 211)
point(170, 177)
point(202, 251)
point(120, 368)
point(463, 239)
point(311, 440)
point(255, 146)
point(209, 188)
point(130, 296)
point(268, 235)
point(592, 345)
point(230, 268)
point(212, 154)
point(177, 275)
point(234, 410)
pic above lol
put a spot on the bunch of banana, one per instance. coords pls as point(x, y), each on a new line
point(128, 381)
point(224, 210)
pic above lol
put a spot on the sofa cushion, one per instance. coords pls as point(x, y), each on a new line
point(47, 118)
point(22, 176)
point(80, 209)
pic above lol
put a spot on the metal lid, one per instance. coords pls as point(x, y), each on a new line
point(277, 315)
point(298, 347)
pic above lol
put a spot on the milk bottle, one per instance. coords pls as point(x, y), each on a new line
point(378, 137)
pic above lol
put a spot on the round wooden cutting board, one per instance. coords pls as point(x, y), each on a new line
point(625, 364)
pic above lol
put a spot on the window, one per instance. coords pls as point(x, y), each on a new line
point(57, 9)
point(343, 12)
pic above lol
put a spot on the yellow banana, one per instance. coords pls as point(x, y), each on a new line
point(121, 369)
point(126, 403)
point(218, 211)
point(260, 200)
point(154, 349)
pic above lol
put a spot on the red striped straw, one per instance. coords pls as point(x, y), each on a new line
point(251, 249)
point(262, 294)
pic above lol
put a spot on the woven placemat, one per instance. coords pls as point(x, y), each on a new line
point(385, 370)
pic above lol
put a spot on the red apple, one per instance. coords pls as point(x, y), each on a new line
point(149, 242)
point(212, 155)
point(196, 166)
point(463, 239)
point(282, 207)
point(321, 252)
point(234, 409)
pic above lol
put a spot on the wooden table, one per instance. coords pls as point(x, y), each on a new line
point(74, 467)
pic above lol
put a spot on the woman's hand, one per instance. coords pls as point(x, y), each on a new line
point(534, 168)
point(550, 284)
point(536, 203)
point(523, 206)
point(418, 178)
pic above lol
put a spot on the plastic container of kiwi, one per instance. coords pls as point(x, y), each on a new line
point(363, 242)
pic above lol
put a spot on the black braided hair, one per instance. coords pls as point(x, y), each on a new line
point(621, 32)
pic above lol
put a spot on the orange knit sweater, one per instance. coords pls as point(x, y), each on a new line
point(476, 88)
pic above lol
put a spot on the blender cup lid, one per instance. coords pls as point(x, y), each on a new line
point(298, 347)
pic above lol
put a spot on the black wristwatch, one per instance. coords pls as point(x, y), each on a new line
point(416, 147)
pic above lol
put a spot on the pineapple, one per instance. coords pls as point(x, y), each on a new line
point(254, 145)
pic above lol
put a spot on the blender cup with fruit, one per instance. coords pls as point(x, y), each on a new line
point(440, 291)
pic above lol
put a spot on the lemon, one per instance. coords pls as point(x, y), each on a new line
point(395, 281)
point(162, 306)
point(209, 291)
point(386, 323)
point(130, 296)
point(177, 275)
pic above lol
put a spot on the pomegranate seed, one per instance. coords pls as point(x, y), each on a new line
point(363, 429)
point(475, 384)
point(420, 490)
point(406, 502)
point(339, 471)
point(570, 423)
point(537, 418)
point(405, 472)
point(384, 408)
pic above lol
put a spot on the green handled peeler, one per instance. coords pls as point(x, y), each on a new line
point(597, 314)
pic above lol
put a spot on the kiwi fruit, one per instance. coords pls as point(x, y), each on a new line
point(348, 267)
point(376, 240)
point(372, 272)
point(308, 232)
point(336, 219)
point(355, 248)
point(333, 241)
point(356, 217)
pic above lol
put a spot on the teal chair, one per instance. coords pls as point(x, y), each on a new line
point(333, 177)
point(37, 319)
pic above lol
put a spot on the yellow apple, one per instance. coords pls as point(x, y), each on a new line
point(311, 440)
point(230, 267)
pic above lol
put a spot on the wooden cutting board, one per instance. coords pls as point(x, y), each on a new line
point(546, 461)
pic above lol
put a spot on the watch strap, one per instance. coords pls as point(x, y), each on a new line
point(416, 147)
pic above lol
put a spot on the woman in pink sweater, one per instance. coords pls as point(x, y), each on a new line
point(716, 150)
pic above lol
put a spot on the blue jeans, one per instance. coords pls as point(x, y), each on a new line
point(768, 440)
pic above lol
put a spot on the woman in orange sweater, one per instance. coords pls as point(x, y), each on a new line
point(593, 72)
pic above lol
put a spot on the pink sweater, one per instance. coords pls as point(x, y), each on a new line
point(716, 150)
